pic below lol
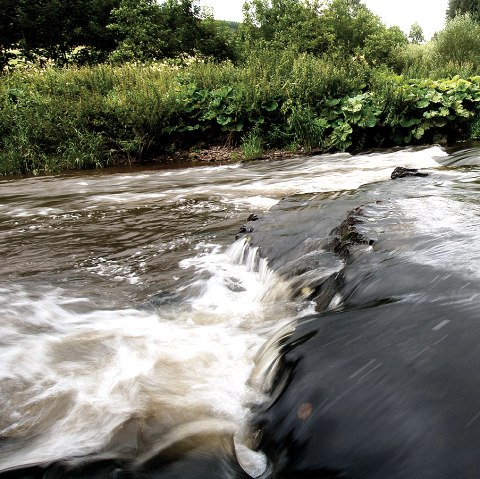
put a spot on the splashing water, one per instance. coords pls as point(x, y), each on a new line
point(128, 316)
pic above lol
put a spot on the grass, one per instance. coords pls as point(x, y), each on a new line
point(252, 145)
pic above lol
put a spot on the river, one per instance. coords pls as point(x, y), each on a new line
point(138, 338)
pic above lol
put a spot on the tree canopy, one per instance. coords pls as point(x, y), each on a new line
point(286, 23)
point(146, 30)
point(345, 27)
point(459, 41)
point(416, 34)
point(116, 29)
point(81, 31)
point(460, 7)
point(8, 31)
point(55, 27)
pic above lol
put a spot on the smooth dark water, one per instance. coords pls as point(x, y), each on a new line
point(138, 339)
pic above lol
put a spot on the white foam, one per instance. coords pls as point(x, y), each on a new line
point(183, 363)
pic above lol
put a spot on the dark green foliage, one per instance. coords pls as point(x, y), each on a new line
point(53, 28)
point(460, 7)
point(380, 46)
point(9, 33)
point(341, 28)
point(284, 24)
point(252, 145)
point(343, 25)
point(87, 31)
point(427, 110)
point(146, 30)
point(135, 25)
point(217, 40)
point(306, 127)
point(351, 23)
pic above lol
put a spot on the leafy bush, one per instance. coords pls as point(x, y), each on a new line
point(414, 61)
point(429, 110)
point(380, 47)
point(147, 30)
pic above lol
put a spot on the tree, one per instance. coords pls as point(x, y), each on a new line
point(136, 27)
point(337, 26)
point(296, 24)
point(461, 7)
point(380, 46)
point(95, 33)
point(147, 30)
point(459, 41)
point(9, 34)
point(218, 39)
point(351, 23)
point(416, 34)
point(181, 26)
point(55, 27)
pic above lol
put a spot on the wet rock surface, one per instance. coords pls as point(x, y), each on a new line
point(400, 172)
point(381, 383)
point(346, 235)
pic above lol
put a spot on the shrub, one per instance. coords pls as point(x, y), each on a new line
point(414, 61)
point(459, 42)
point(380, 47)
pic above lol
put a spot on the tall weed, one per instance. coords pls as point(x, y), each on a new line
point(307, 128)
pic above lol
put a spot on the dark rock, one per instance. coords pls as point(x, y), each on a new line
point(200, 456)
point(401, 172)
point(162, 298)
point(346, 234)
point(324, 293)
point(247, 229)
point(243, 230)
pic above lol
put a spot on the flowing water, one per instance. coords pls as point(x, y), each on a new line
point(132, 321)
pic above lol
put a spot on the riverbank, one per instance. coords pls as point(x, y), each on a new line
point(225, 155)
point(54, 120)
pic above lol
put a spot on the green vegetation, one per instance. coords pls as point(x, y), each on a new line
point(146, 30)
point(461, 7)
point(51, 30)
point(161, 77)
point(61, 32)
point(252, 145)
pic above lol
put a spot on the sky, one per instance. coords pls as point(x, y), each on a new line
point(429, 14)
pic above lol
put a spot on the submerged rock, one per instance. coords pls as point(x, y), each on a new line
point(401, 172)
point(207, 455)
